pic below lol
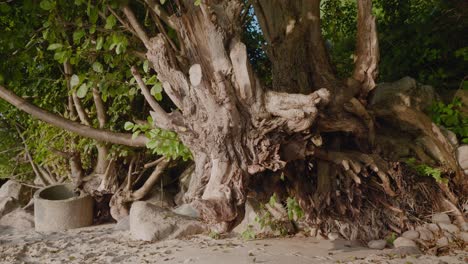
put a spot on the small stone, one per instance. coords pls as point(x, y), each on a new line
point(441, 218)
point(452, 138)
point(405, 251)
point(377, 244)
point(462, 156)
point(463, 236)
point(464, 226)
point(433, 228)
point(442, 242)
point(450, 228)
point(425, 234)
point(333, 236)
point(411, 234)
point(404, 242)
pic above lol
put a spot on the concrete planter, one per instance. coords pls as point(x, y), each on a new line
point(57, 207)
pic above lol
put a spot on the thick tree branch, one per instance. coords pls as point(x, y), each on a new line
point(161, 13)
point(153, 178)
point(80, 110)
point(60, 122)
point(136, 26)
point(367, 48)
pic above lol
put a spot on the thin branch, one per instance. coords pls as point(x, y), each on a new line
point(161, 13)
point(136, 26)
point(163, 118)
point(153, 178)
point(122, 21)
point(80, 110)
point(60, 122)
point(100, 109)
point(367, 48)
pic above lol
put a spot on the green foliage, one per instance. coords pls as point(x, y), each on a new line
point(161, 142)
point(426, 170)
point(248, 234)
point(450, 116)
point(412, 36)
point(295, 211)
point(214, 235)
point(391, 238)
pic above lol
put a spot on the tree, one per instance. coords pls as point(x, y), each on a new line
point(311, 135)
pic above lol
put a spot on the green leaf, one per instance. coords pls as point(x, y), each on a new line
point(82, 91)
point(47, 4)
point(156, 89)
point(135, 134)
point(74, 81)
point(77, 35)
point(128, 125)
point(93, 15)
point(99, 43)
point(110, 22)
point(146, 66)
point(162, 2)
point(54, 46)
point(97, 67)
point(197, 2)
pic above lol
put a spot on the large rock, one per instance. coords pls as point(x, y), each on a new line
point(405, 91)
point(451, 228)
point(452, 138)
point(462, 156)
point(441, 218)
point(249, 223)
point(16, 190)
point(8, 204)
point(404, 242)
point(19, 219)
point(411, 234)
point(425, 234)
point(377, 244)
point(149, 222)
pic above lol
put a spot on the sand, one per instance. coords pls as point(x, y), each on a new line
point(104, 244)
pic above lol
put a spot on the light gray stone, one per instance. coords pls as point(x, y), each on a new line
point(19, 219)
point(442, 242)
point(404, 242)
point(8, 204)
point(462, 156)
point(332, 236)
point(377, 244)
point(425, 234)
point(149, 222)
point(441, 218)
point(406, 251)
point(452, 138)
point(451, 228)
point(464, 226)
point(433, 228)
point(463, 236)
point(123, 224)
point(411, 234)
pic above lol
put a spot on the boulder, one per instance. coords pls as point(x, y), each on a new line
point(186, 210)
point(8, 204)
point(249, 222)
point(21, 193)
point(406, 251)
point(123, 224)
point(377, 244)
point(425, 234)
point(462, 156)
point(19, 219)
point(434, 228)
point(463, 236)
point(442, 242)
point(411, 234)
point(451, 228)
point(404, 242)
point(149, 222)
point(452, 138)
point(405, 91)
point(441, 218)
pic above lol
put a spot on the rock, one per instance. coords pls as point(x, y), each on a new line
point(406, 251)
point(332, 236)
point(16, 190)
point(452, 138)
point(451, 228)
point(149, 222)
point(441, 218)
point(463, 236)
point(8, 204)
point(442, 242)
point(405, 91)
point(462, 156)
point(404, 242)
point(123, 224)
point(19, 219)
point(425, 234)
point(464, 226)
point(411, 234)
point(162, 199)
point(433, 228)
point(186, 210)
point(377, 244)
